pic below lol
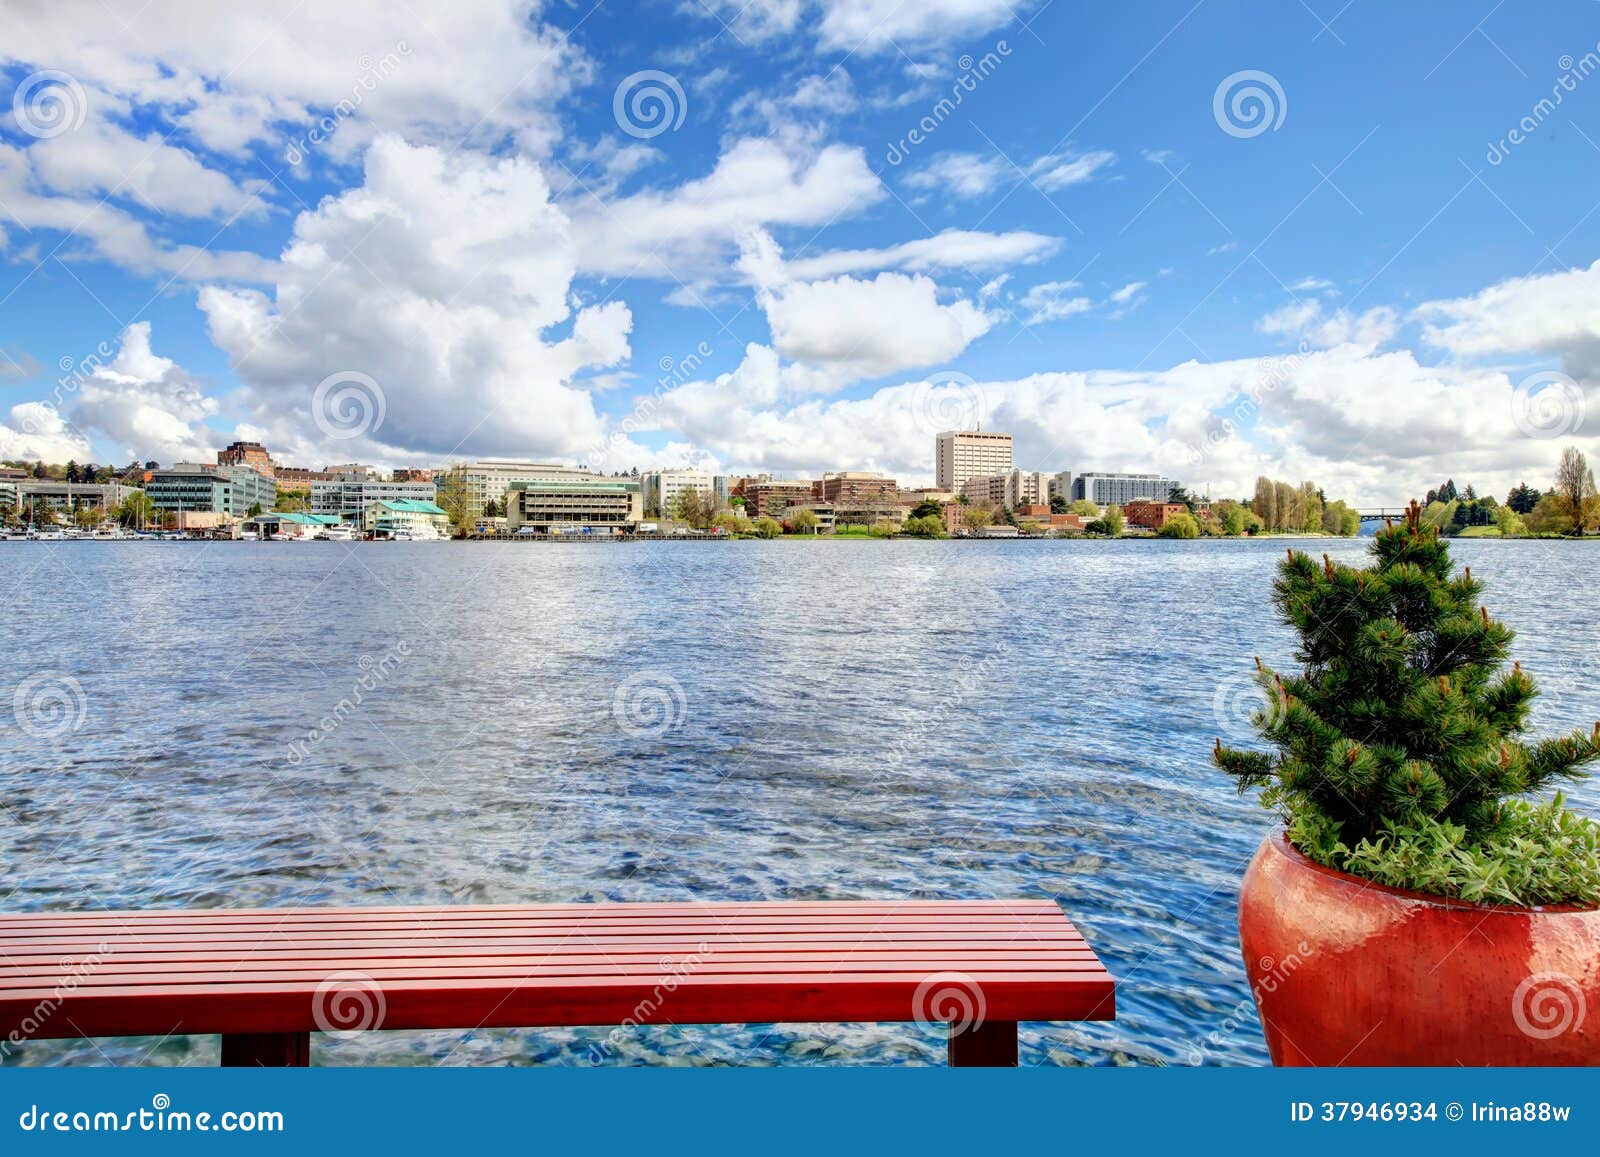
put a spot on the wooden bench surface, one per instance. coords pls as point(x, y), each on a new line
point(277, 970)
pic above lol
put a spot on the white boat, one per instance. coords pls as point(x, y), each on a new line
point(338, 534)
point(417, 534)
point(249, 536)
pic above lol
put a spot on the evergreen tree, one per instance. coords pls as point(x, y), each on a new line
point(1523, 498)
point(1401, 716)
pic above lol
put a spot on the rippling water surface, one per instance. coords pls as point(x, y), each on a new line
point(845, 720)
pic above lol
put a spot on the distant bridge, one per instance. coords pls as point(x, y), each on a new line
point(1398, 514)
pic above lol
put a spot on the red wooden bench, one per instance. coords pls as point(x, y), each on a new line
point(265, 979)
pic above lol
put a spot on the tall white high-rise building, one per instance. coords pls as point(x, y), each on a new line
point(661, 488)
point(963, 454)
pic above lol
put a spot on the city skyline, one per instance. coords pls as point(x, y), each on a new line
point(792, 236)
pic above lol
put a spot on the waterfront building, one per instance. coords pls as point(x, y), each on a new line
point(63, 497)
point(963, 454)
point(10, 477)
point(1061, 484)
point(857, 488)
point(824, 511)
point(770, 498)
point(189, 487)
point(1041, 514)
point(488, 479)
point(404, 516)
point(413, 474)
point(1011, 489)
point(289, 523)
point(955, 518)
point(1120, 489)
point(660, 489)
point(558, 505)
point(251, 454)
point(1151, 515)
point(348, 495)
point(198, 488)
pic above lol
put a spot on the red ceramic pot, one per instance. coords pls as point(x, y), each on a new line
point(1348, 972)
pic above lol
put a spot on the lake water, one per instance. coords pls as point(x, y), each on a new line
point(718, 721)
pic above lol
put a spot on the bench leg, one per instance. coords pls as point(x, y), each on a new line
point(992, 1044)
point(266, 1050)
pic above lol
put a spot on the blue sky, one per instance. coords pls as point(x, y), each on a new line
point(483, 256)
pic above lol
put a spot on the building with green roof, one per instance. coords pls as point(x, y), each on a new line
point(595, 504)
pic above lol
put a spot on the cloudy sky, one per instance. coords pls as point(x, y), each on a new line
point(1318, 240)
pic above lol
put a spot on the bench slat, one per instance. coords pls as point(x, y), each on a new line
point(668, 908)
point(235, 972)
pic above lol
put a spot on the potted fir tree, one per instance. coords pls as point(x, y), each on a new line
point(1417, 908)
